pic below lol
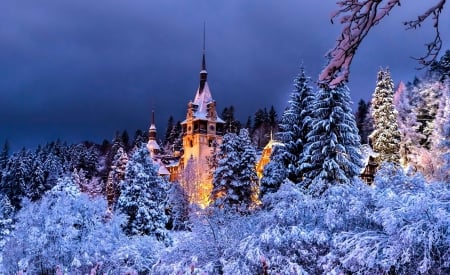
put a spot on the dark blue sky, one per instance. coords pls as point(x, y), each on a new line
point(79, 70)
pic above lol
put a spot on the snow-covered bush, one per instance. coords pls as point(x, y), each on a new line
point(68, 230)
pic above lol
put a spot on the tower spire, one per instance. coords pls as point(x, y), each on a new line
point(203, 72)
point(152, 131)
point(204, 47)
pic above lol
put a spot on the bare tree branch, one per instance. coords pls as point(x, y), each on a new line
point(433, 47)
point(358, 17)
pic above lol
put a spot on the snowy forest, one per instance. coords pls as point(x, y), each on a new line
point(103, 209)
point(92, 208)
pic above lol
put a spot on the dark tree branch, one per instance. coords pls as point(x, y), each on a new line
point(433, 47)
point(358, 17)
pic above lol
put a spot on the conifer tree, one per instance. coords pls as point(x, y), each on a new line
point(234, 181)
point(360, 117)
point(273, 119)
point(332, 152)
point(247, 172)
point(116, 175)
point(440, 149)
point(385, 139)
point(408, 125)
point(143, 197)
point(427, 94)
point(261, 128)
point(232, 125)
point(4, 156)
point(6, 218)
point(274, 173)
point(295, 125)
point(169, 128)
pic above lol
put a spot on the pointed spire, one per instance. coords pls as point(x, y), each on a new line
point(152, 131)
point(204, 47)
point(203, 72)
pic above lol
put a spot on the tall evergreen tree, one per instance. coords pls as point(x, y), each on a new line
point(295, 125)
point(427, 95)
point(169, 128)
point(441, 68)
point(274, 173)
point(261, 128)
point(116, 175)
point(408, 126)
point(234, 181)
point(175, 138)
point(139, 138)
point(232, 125)
point(16, 177)
point(385, 138)
point(6, 218)
point(4, 156)
point(143, 197)
point(249, 124)
point(360, 117)
point(273, 119)
point(332, 153)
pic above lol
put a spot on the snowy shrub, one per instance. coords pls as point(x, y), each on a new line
point(407, 234)
point(68, 230)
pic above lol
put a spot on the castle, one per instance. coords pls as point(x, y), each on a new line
point(202, 130)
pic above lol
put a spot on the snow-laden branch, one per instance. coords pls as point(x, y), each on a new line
point(433, 47)
point(358, 17)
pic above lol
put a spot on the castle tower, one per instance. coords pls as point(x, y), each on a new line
point(152, 144)
point(202, 129)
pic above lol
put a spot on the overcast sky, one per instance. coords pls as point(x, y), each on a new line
point(80, 70)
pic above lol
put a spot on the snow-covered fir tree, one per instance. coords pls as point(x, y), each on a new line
point(441, 68)
point(115, 176)
point(247, 173)
point(6, 218)
point(4, 156)
point(332, 153)
point(143, 197)
point(235, 179)
point(16, 177)
point(407, 125)
point(69, 231)
point(178, 211)
point(427, 94)
point(360, 118)
point(385, 138)
point(440, 141)
point(274, 172)
point(295, 125)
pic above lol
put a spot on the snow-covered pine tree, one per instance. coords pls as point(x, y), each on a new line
point(143, 197)
point(261, 128)
point(115, 176)
point(440, 142)
point(6, 218)
point(234, 181)
point(4, 156)
point(247, 173)
point(441, 68)
point(427, 94)
point(295, 125)
point(274, 173)
point(332, 153)
point(360, 117)
point(385, 138)
point(169, 128)
point(407, 125)
point(16, 177)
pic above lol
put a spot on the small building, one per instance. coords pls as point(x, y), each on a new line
point(370, 164)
